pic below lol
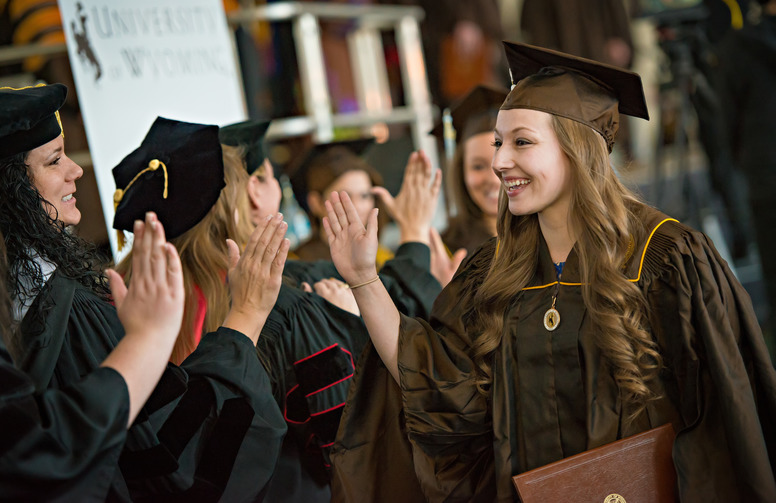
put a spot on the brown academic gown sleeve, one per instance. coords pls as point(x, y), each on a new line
point(449, 423)
point(717, 370)
point(373, 459)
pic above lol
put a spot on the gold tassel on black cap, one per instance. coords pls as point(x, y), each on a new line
point(153, 165)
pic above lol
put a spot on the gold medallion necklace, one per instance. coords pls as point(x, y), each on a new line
point(552, 316)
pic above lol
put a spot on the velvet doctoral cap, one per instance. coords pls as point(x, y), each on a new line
point(579, 89)
point(325, 162)
point(475, 113)
point(29, 117)
point(249, 135)
point(177, 172)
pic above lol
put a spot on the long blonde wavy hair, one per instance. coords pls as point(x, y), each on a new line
point(204, 255)
point(601, 214)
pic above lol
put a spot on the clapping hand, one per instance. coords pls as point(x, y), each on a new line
point(153, 304)
point(353, 246)
point(414, 206)
point(255, 277)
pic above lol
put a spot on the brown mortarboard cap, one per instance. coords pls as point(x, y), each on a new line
point(474, 113)
point(29, 117)
point(325, 162)
point(580, 89)
point(176, 172)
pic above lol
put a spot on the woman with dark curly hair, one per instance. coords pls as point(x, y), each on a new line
point(43, 429)
point(216, 405)
point(590, 318)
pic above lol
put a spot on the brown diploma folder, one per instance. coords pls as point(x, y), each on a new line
point(637, 469)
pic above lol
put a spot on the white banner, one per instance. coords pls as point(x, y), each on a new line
point(134, 60)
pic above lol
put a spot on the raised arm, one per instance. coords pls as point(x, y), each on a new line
point(353, 251)
point(151, 311)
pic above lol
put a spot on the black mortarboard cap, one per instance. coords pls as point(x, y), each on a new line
point(249, 135)
point(482, 101)
point(335, 156)
point(176, 172)
point(580, 89)
point(29, 117)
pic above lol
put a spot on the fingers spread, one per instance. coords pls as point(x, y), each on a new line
point(331, 216)
point(350, 210)
point(339, 209)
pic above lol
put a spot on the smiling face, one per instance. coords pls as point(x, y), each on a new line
point(481, 183)
point(529, 161)
point(54, 175)
point(358, 185)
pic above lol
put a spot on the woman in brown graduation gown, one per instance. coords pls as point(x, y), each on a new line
point(526, 360)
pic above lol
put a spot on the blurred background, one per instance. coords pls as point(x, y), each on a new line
point(326, 71)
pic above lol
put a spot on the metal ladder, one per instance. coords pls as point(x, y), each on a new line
point(368, 64)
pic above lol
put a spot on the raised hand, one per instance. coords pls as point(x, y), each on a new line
point(153, 304)
point(255, 277)
point(353, 246)
point(338, 293)
point(151, 311)
point(414, 206)
point(443, 266)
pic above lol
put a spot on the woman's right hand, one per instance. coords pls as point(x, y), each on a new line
point(255, 277)
point(353, 246)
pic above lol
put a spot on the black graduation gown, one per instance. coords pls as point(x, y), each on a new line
point(553, 395)
point(311, 348)
point(60, 445)
point(210, 429)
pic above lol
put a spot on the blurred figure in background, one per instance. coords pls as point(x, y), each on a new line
point(330, 167)
point(747, 78)
point(472, 186)
point(461, 44)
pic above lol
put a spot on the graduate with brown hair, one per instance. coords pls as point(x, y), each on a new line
point(592, 317)
point(472, 187)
